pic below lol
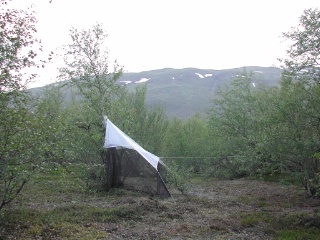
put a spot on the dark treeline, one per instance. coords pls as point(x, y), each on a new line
point(250, 131)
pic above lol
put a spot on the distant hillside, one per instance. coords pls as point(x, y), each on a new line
point(187, 91)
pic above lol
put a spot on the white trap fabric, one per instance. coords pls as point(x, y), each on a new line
point(116, 138)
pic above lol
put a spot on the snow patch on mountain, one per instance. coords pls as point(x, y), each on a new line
point(126, 82)
point(204, 76)
point(199, 75)
point(142, 80)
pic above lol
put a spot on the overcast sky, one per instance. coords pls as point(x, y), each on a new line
point(154, 34)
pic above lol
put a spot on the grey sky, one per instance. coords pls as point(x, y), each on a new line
point(153, 34)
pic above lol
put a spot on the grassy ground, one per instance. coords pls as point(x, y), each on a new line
point(59, 206)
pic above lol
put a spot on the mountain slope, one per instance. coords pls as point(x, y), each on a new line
point(185, 92)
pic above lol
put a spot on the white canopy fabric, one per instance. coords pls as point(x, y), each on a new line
point(116, 138)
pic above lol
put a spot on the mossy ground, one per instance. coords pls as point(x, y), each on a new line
point(60, 206)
